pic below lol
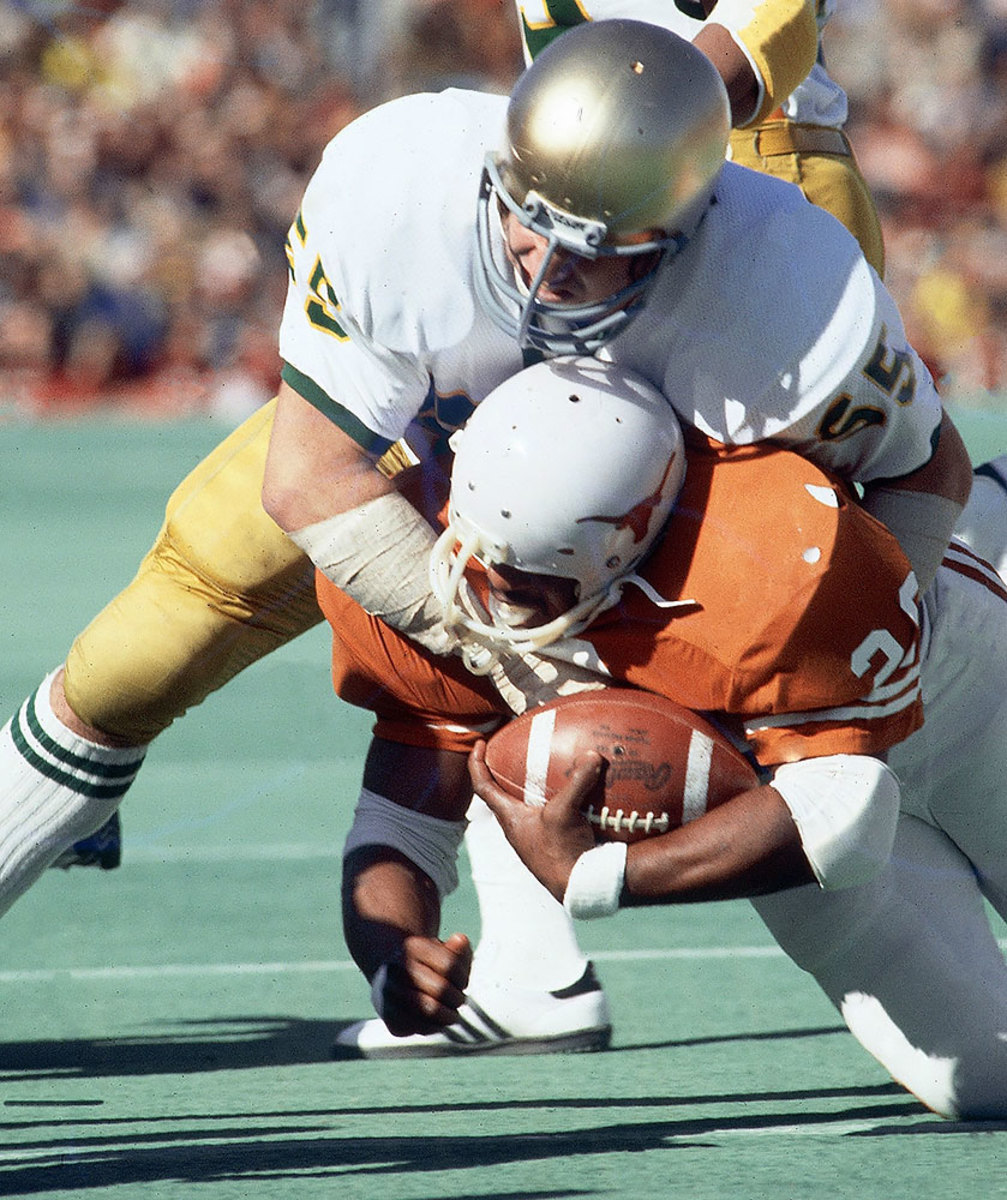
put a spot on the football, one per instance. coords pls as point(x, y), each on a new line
point(665, 765)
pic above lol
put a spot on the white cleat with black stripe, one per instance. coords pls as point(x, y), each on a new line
point(504, 1020)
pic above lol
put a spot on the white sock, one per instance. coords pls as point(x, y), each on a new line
point(527, 938)
point(56, 787)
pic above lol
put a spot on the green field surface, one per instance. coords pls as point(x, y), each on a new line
point(167, 1026)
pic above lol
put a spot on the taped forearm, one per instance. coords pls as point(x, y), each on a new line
point(780, 40)
point(378, 554)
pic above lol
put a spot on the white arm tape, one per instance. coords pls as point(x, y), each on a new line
point(379, 554)
point(431, 843)
point(922, 523)
point(527, 680)
point(595, 883)
point(845, 807)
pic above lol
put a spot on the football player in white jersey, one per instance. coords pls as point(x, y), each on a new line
point(607, 222)
point(130, 673)
point(788, 113)
point(753, 311)
point(389, 285)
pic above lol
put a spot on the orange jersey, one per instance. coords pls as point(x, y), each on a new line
point(805, 625)
point(417, 697)
point(803, 632)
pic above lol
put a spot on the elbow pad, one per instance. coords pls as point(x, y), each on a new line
point(845, 807)
point(780, 40)
point(429, 842)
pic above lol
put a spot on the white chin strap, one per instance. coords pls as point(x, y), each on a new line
point(482, 638)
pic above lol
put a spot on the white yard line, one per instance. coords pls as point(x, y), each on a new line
point(158, 970)
point(333, 966)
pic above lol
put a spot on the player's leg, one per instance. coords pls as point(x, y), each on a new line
point(221, 587)
point(819, 160)
point(983, 524)
point(55, 787)
point(532, 989)
point(910, 962)
point(510, 896)
point(953, 769)
point(946, 860)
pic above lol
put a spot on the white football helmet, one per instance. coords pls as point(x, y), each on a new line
point(570, 468)
point(615, 137)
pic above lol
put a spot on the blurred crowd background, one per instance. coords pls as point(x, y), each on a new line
point(927, 84)
point(153, 153)
point(152, 156)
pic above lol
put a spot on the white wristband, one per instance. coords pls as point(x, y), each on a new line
point(595, 883)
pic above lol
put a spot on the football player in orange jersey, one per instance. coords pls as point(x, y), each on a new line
point(235, 586)
point(224, 587)
point(758, 590)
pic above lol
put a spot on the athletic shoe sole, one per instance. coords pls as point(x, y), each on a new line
point(442, 1046)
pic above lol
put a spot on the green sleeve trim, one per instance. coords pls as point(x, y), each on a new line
point(563, 14)
point(352, 426)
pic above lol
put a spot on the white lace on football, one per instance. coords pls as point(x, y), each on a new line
point(607, 820)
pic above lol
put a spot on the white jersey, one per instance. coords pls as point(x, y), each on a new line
point(817, 100)
point(381, 326)
point(769, 324)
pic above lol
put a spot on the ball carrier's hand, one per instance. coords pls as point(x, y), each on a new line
point(421, 989)
point(548, 839)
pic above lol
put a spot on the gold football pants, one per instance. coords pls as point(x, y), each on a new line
point(222, 586)
point(819, 160)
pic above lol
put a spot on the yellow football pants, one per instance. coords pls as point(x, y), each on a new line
point(223, 586)
point(822, 165)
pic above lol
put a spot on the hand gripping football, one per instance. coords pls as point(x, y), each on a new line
point(664, 764)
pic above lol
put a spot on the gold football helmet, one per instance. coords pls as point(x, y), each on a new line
point(615, 137)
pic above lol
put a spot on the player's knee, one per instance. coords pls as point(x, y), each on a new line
point(67, 714)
